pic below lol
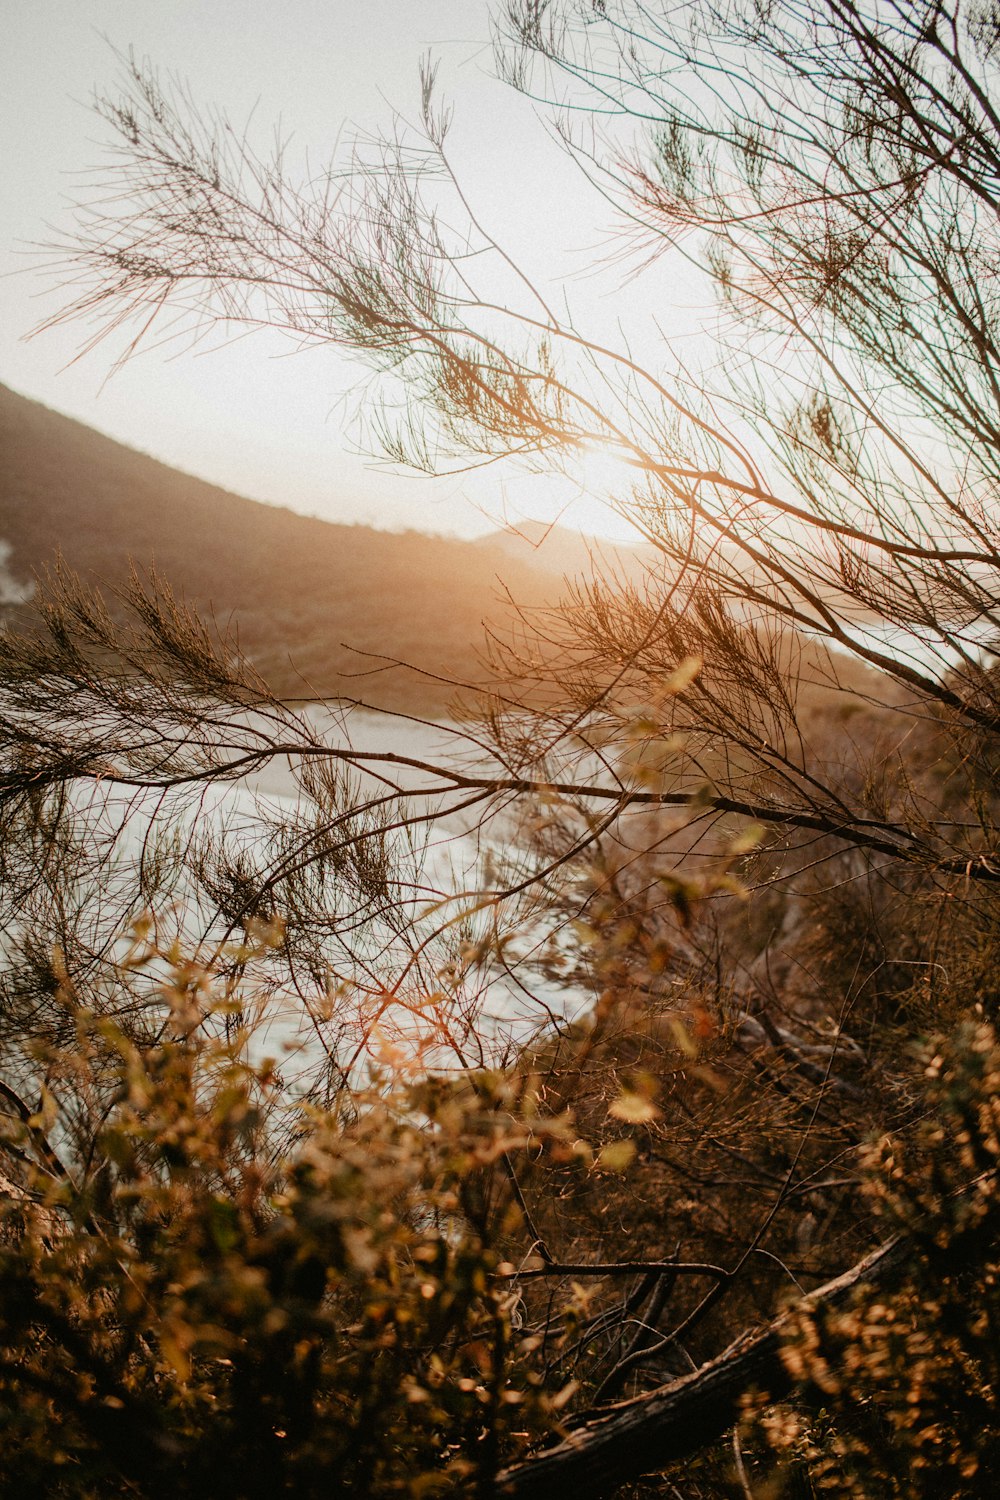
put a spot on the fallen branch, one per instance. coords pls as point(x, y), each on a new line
point(616, 1268)
point(645, 1434)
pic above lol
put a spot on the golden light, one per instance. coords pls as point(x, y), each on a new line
point(603, 478)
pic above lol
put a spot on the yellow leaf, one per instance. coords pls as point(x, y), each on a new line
point(748, 840)
point(584, 932)
point(173, 1351)
point(633, 1108)
point(683, 1038)
point(615, 1156)
point(683, 674)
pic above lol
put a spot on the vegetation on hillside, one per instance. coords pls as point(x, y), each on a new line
point(298, 593)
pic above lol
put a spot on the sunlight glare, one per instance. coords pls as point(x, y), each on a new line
point(603, 479)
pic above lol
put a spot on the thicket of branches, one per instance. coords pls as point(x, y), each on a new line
point(377, 1167)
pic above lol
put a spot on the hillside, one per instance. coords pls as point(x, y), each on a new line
point(568, 553)
point(309, 597)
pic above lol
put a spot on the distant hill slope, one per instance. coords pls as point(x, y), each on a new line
point(558, 549)
point(303, 591)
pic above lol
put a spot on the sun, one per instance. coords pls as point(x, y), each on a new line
point(589, 491)
point(603, 480)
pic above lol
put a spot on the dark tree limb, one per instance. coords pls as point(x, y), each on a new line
point(645, 1434)
point(616, 1268)
point(49, 1161)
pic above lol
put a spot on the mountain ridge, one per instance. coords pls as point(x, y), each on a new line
point(313, 599)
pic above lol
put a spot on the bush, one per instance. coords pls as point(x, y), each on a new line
point(248, 1296)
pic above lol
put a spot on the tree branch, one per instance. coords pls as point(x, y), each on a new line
point(645, 1434)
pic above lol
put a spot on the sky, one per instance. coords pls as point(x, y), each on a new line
point(257, 416)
